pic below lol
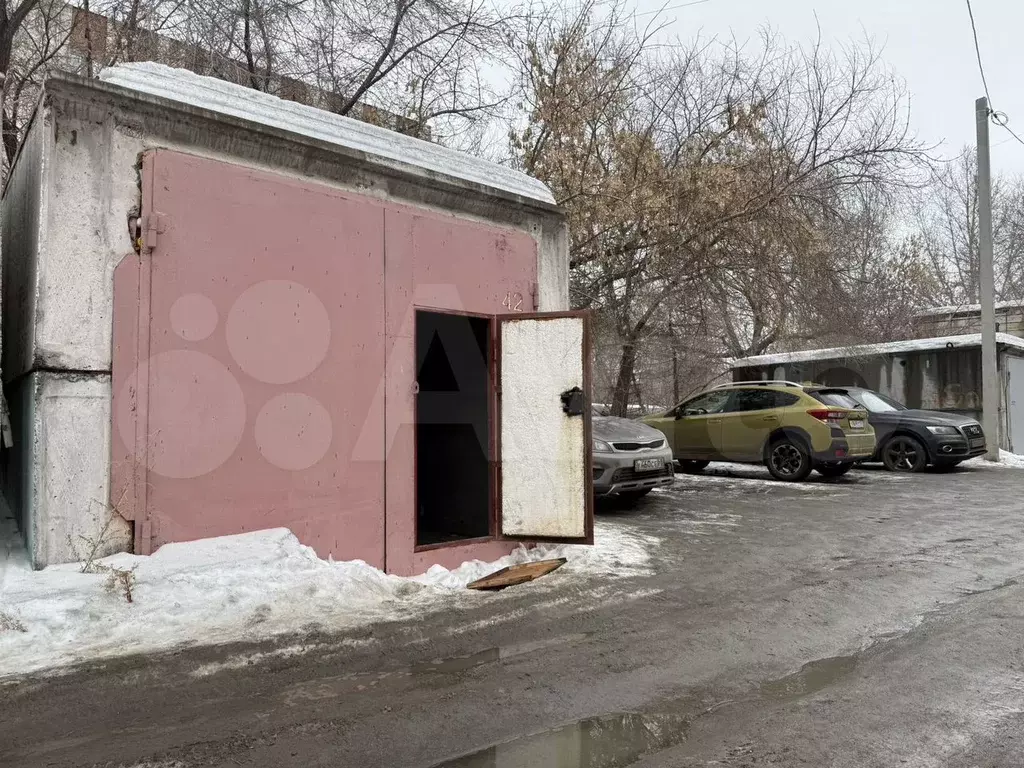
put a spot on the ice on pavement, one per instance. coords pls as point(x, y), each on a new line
point(248, 587)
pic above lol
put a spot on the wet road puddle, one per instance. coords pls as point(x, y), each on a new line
point(358, 682)
point(620, 740)
point(610, 741)
point(812, 677)
point(462, 663)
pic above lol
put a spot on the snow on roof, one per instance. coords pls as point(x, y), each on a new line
point(954, 309)
point(394, 149)
point(868, 350)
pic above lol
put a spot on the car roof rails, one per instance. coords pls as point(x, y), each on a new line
point(760, 383)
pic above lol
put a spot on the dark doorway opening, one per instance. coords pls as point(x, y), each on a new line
point(453, 473)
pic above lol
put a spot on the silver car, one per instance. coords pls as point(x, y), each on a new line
point(630, 458)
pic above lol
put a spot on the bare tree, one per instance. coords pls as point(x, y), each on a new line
point(31, 36)
point(704, 170)
point(948, 229)
point(424, 60)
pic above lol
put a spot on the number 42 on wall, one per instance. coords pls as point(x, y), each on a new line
point(513, 302)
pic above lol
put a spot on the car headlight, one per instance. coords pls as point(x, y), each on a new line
point(600, 446)
point(943, 430)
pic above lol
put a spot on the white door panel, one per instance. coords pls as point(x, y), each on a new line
point(546, 481)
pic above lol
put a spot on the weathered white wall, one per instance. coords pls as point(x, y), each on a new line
point(68, 443)
point(897, 379)
point(552, 268)
point(1012, 375)
point(928, 370)
point(543, 456)
point(23, 223)
point(93, 189)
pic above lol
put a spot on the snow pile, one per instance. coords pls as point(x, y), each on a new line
point(1006, 459)
point(387, 147)
point(616, 552)
point(245, 587)
point(958, 308)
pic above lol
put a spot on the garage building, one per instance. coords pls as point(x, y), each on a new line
point(939, 374)
point(225, 312)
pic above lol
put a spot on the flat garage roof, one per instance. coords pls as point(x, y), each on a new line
point(388, 147)
point(962, 341)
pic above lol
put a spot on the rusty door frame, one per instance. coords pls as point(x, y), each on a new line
point(129, 475)
point(588, 536)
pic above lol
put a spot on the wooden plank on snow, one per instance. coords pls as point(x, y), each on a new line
point(517, 574)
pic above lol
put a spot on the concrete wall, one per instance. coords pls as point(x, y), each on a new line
point(1008, 320)
point(63, 488)
point(24, 225)
point(79, 176)
point(21, 234)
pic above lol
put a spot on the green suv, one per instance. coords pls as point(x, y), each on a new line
point(776, 423)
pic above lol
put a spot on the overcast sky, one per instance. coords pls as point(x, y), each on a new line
point(927, 42)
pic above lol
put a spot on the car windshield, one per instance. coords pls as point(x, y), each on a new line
point(876, 403)
point(838, 398)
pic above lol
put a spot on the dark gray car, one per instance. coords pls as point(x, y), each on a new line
point(911, 439)
point(630, 458)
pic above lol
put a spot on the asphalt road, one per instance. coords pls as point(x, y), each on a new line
point(870, 621)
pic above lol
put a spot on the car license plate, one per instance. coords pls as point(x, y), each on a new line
point(977, 442)
point(648, 465)
point(856, 423)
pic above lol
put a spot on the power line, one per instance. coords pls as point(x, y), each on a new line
point(977, 50)
point(672, 8)
point(1003, 121)
point(999, 118)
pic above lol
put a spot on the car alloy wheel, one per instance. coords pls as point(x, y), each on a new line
point(904, 454)
point(787, 462)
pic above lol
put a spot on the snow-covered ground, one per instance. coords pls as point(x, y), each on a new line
point(729, 475)
point(242, 588)
point(1006, 459)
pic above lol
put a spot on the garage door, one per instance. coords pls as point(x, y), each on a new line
point(248, 348)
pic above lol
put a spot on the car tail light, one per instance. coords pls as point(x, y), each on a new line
point(832, 418)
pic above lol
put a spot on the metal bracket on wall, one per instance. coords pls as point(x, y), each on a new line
point(145, 533)
point(152, 226)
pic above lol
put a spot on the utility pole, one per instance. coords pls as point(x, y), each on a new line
point(990, 389)
point(675, 361)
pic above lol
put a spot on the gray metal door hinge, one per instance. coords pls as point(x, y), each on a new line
point(152, 226)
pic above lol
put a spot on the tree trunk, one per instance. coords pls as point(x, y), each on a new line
point(620, 398)
point(88, 39)
point(250, 62)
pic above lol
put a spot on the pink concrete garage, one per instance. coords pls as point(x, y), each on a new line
point(265, 365)
point(239, 312)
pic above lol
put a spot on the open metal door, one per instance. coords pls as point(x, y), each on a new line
point(544, 447)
